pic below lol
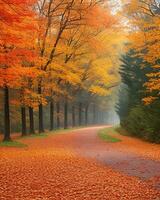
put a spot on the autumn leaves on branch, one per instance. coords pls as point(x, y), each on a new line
point(139, 70)
point(55, 50)
point(144, 21)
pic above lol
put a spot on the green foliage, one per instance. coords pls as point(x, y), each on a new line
point(133, 72)
point(37, 135)
point(12, 144)
point(139, 120)
point(106, 135)
point(143, 122)
point(122, 131)
point(55, 132)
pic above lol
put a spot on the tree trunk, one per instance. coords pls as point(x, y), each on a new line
point(102, 121)
point(58, 117)
point(98, 118)
point(73, 116)
point(86, 114)
point(6, 115)
point(51, 115)
point(41, 127)
point(66, 114)
point(23, 118)
point(80, 114)
point(102, 117)
point(94, 114)
point(31, 121)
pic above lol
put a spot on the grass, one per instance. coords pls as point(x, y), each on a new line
point(12, 144)
point(107, 135)
point(36, 135)
point(61, 130)
point(122, 131)
point(54, 132)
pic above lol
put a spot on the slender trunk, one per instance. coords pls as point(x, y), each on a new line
point(41, 127)
point(6, 115)
point(73, 116)
point(31, 121)
point(51, 115)
point(97, 115)
point(66, 114)
point(86, 114)
point(23, 118)
point(58, 113)
point(80, 114)
point(94, 114)
point(101, 117)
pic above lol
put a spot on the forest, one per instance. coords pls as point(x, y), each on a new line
point(58, 65)
point(139, 71)
point(79, 99)
point(68, 63)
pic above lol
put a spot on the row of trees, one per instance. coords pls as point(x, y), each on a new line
point(140, 71)
point(56, 51)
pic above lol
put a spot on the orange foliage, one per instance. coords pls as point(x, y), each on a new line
point(145, 37)
point(16, 40)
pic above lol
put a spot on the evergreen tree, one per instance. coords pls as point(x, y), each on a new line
point(133, 72)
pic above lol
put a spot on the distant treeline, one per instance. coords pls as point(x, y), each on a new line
point(56, 115)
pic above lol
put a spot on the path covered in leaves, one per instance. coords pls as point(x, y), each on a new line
point(78, 165)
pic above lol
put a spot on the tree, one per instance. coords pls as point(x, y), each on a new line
point(60, 15)
point(142, 76)
point(133, 77)
point(144, 16)
point(15, 17)
point(70, 40)
point(57, 19)
point(76, 35)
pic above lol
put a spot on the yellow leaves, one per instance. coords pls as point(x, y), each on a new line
point(67, 72)
point(145, 39)
point(154, 74)
point(153, 83)
point(156, 66)
point(148, 100)
point(146, 35)
point(77, 45)
point(99, 17)
point(104, 70)
point(30, 98)
point(100, 91)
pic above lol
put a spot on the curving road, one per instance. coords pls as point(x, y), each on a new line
point(86, 143)
point(77, 165)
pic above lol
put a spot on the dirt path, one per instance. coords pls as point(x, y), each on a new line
point(87, 144)
point(78, 165)
point(132, 160)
